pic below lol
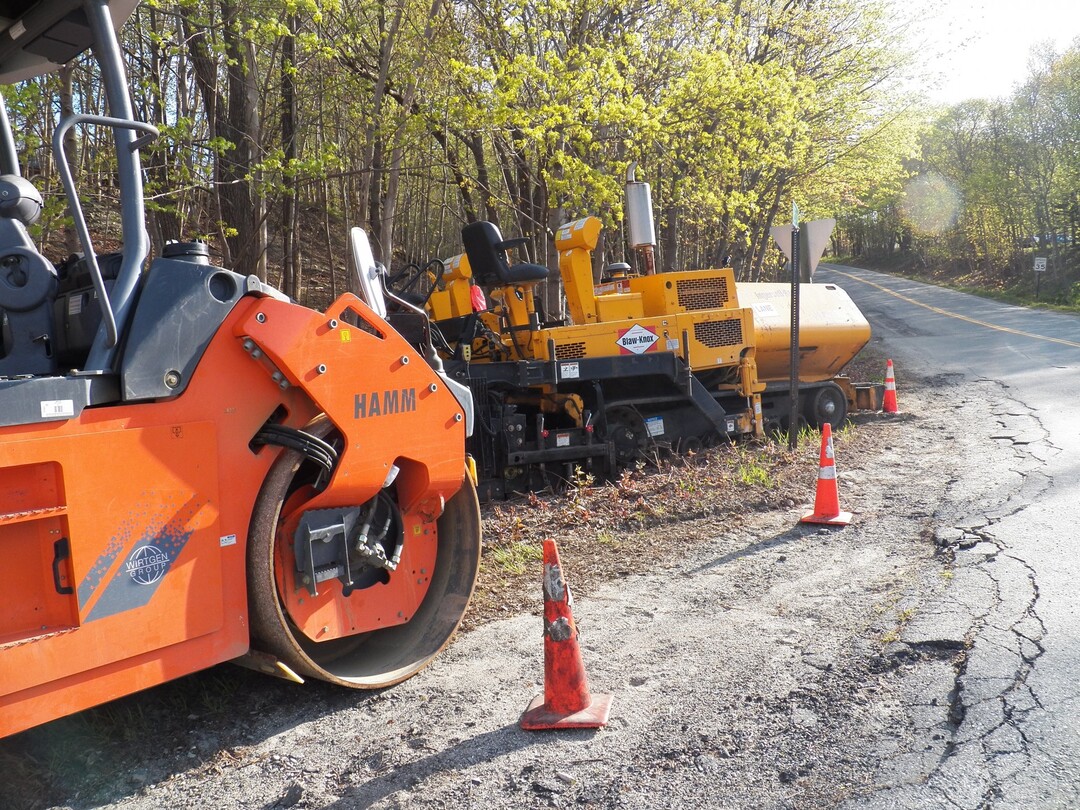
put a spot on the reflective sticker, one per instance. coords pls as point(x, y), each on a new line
point(555, 589)
point(559, 630)
point(134, 581)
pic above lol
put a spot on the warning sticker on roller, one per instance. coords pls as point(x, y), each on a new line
point(636, 340)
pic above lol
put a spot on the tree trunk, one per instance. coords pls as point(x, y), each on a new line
point(204, 67)
point(290, 226)
point(398, 152)
point(165, 224)
point(242, 201)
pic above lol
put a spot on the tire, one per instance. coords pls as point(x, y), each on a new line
point(826, 404)
point(381, 657)
point(626, 429)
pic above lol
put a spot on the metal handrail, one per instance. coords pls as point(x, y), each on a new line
point(75, 206)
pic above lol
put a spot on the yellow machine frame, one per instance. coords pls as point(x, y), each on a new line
point(694, 314)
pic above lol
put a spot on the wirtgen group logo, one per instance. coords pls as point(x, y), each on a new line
point(147, 564)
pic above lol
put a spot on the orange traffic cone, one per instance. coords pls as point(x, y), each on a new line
point(888, 402)
point(827, 500)
point(566, 702)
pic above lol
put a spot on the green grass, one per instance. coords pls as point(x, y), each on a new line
point(1019, 291)
point(754, 475)
point(516, 557)
point(607, 538)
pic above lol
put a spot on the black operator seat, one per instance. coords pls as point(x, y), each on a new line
point(19, 199)
point(486, 250)
point(28, 284)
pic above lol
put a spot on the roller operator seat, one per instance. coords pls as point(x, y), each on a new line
point(28, 284)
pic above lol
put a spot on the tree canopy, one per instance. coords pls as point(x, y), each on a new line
point(283, 122)
point(990, 185)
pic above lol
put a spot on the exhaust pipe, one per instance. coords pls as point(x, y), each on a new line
point(639, 219)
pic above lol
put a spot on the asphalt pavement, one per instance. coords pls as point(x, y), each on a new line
point(1004, 733)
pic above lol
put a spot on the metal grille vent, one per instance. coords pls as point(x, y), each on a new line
point(703, 293)
point(715, 334)
point(569, 351)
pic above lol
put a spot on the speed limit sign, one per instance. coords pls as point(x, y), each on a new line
point(1040, 264)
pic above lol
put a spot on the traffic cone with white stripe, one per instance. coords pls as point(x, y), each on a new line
point(827, 500)
point(566, 702)
point(888, 402)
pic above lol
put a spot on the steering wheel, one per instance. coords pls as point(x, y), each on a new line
point(414, 272)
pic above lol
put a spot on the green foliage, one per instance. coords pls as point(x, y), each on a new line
point(994, 184)
point(412, 117)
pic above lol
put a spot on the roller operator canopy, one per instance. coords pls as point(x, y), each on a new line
point(38, 36)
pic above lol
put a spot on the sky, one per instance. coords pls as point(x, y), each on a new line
point(980, 48)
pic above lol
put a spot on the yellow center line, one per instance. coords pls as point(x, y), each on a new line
point(948, 314)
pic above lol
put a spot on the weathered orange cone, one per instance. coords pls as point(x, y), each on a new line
point(888, 402)
point(566, 702)
point(827, 500)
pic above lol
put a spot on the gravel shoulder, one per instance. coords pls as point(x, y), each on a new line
point(753, 660)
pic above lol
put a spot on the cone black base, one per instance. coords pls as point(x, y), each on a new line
point(538, 717)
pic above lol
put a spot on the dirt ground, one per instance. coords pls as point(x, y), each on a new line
point(752, 659)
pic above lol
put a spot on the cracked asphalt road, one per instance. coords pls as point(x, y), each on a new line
point(999, 728)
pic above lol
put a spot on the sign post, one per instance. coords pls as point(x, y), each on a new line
point(793, 405)
point(804, 251)
point(1040, 268)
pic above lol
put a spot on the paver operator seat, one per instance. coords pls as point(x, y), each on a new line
point(514, 283)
